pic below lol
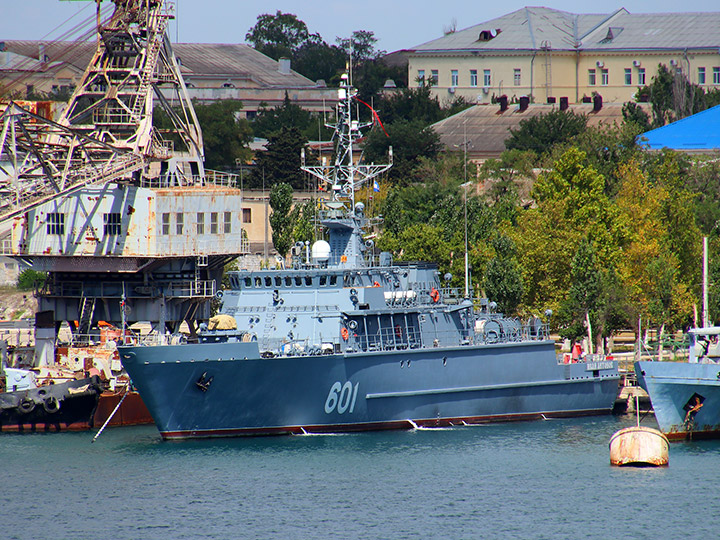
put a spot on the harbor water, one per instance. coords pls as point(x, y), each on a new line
point(546, 479)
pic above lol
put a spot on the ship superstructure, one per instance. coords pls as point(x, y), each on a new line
point(344, 341)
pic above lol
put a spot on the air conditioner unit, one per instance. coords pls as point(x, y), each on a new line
point(637, 63)
point(451, 90)
point(600, 63)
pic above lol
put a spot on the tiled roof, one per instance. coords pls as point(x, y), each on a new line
point(485, 128)
point(532, 28)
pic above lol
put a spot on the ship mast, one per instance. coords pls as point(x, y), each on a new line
point(345, 176)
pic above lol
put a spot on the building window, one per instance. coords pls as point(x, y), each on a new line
point(213, 222)
point(247, 215)
point(628, 76)
point(227, 222)
point(421, 77)
point(517, 76)
point(166, 223)
point(486, 77)
point(701, 75)
point(716, 75)
point(473, 77)
point(591, 77)
point(201, 222)
point(434, 76)
point(179, 222)
point(641, 76)
point(454, 77)
point(55, 223)
point(605, 77)
point(111, 224)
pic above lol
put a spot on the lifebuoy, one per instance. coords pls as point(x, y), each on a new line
point(51, 404)
point(344, 333)
point(26, 406)
point(435, 295)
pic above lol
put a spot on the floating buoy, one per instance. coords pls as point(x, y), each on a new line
point(637, 446)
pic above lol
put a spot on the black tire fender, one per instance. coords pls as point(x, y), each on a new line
point(51, 404)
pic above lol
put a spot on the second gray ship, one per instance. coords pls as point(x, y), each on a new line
point(341, 342)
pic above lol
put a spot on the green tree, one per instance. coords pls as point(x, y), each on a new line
point(317, 60)
point(281, 218)
point(225, 136)
point(583, 299)
point(410, 141)
point(360, 47)
point(502, 177)
point(277, 35)
point(269, 122)
point(540, 133)
point(633, 113)
point(571, 205)
point(503, 280)
point(280, 162)
point(647, 265)
point(672, 96)
point(605, 147)
point(410, 104)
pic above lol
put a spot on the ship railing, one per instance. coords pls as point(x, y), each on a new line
point(113, 289)
point(210, 178)
point(511, 333)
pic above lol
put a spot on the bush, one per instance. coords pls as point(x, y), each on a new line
point(28, 278)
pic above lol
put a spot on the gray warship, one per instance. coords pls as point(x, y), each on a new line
point(343, 341)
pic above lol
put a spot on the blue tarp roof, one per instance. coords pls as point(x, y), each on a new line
point(700, 131)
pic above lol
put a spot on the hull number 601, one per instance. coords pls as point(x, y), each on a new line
point(341, 397)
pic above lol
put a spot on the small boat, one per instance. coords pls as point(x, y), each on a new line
point(55, 406)
point(639, 446)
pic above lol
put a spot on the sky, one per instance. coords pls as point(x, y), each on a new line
point(398, 24)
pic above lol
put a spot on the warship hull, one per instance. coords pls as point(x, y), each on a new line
point(228, 389)
point(685, 397)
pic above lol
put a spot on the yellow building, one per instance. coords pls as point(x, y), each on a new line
point(548, 54)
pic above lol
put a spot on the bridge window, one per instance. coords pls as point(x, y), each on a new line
point(111, 224)
point(55, 223)
point(179, 220)
point(268, 281)
point(201, 222)
point(227, 222)
point(213, 222)
point(166, 223)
